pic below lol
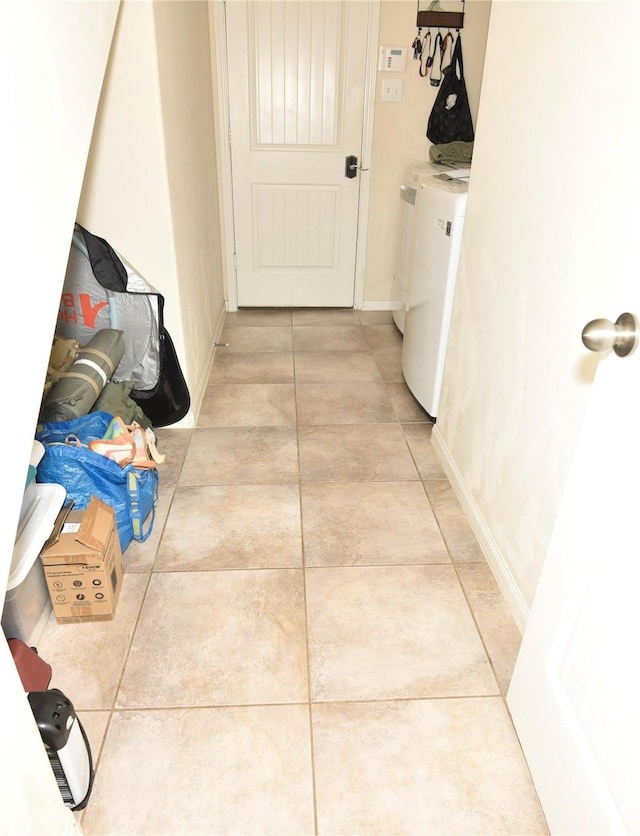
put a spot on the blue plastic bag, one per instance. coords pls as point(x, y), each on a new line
point(132, 492)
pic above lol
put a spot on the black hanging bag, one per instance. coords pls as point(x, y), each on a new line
point(450, 118)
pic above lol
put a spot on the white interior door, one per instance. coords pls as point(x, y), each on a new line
point(574, 692)
point(296, 94)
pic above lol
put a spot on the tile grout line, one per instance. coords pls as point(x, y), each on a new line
point(455, 565)
point(494, 695)
point(312, 757)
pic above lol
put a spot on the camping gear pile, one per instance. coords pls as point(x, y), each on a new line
point(110, 328)
point(113, 375)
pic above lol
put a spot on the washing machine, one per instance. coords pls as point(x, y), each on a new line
point(438, 219)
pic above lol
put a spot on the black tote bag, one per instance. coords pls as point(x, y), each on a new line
point(450, 118)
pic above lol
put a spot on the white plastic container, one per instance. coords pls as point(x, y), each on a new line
point(27, 604)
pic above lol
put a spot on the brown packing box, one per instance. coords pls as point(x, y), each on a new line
point(83, 566)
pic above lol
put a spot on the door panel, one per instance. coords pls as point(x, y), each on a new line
point(294, 226)
point(573, 695)
point(296, 72)
point(296, 96)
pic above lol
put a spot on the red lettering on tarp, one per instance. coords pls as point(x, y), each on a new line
point(89, 313)
point(68, 316)
point(68, 311)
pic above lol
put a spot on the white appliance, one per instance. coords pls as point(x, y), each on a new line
point(405, 232)
point(405, 236)
point(66, 744)
point(439, 212)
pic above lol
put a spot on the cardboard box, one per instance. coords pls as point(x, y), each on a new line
point(83, 567)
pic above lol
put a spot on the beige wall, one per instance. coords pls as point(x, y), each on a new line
point(399, 131)
point(516, 376)
point(150, 187)
point(125, 195)
point(184, 58)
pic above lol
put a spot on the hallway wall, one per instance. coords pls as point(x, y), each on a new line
point(151, 183)
point(516, 376)
point(399, 131)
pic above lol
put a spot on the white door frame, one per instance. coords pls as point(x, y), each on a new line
point(223, 139)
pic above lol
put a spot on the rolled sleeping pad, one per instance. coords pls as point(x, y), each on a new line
point(79, 387)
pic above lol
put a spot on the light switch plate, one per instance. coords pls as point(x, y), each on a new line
point(391, 90)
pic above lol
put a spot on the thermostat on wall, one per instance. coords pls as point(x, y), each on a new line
point(392, 59)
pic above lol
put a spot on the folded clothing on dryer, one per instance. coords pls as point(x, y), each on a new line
point(451, 153)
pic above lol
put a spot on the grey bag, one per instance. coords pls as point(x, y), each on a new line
point(102, 291)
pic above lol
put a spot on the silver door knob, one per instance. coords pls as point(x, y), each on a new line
point(621, 335)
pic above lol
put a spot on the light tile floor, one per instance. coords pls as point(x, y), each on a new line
point(311, 640)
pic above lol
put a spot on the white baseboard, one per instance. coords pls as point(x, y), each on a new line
point(189, 420)
point(380, 306)
point(366, 306)
point(492, 552)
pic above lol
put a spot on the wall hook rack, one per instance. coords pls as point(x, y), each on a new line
point(436, 17)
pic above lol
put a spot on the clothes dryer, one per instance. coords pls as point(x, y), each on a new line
point(405, 236)
point(440, 208)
